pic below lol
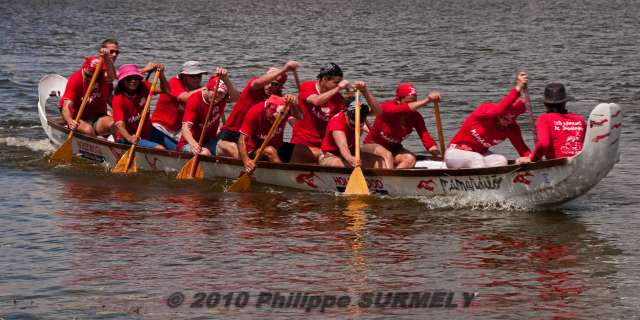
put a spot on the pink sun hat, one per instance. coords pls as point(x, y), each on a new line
point(127, 70)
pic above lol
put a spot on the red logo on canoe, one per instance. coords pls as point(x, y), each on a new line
point(522, 178)
point(427, 185)
point(307, 179)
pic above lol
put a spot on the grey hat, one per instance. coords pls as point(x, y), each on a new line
point(554, 93)
point(193, 67)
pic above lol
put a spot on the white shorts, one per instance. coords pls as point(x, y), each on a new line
point(459, 159)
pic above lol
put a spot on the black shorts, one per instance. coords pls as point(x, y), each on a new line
point(228, 135)
point(284, 152)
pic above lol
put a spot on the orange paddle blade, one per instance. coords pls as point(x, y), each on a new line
point(64, 152)
point(126, 163)
point(241, 185)
point(185, 172)
point(357, 184)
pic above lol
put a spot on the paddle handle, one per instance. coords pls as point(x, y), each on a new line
point(527, 103)
point(357, 129)
point(271, 132)
point(85, 99)
point(436, 111)
point(296, 79)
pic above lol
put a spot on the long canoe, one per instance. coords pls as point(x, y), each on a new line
point(543, 183)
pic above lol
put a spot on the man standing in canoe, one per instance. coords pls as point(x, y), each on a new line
point(257, 90)
point(560, 132)
point(486, 127)
point(399, 117)
point(256, 126)
point(196, 112)
point(320, 100)
point(167, 116)
point(94, 120)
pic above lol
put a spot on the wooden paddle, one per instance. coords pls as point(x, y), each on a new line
point(127, 162)
point(527, 103)
point(436, 111)
point(65, 151)
point(357, 184)
point(244, 182)
point(192, 169)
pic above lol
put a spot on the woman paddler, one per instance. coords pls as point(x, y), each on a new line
point(486, 127)
point(128, 103)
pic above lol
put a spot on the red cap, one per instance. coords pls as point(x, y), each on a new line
point(273, 103)
point(281, 78)
point(405, 89)
point(211, 85)
point(90, 63)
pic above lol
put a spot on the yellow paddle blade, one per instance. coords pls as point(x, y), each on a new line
point(64, 153)
point(185, 172)
point(121, 166)
point(357, 184)
point(241, 185)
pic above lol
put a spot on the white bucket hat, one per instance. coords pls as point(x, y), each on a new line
point(193, 67)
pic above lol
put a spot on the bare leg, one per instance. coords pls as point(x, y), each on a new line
point(228, 149)
point(104, 126)
point(86, 128)
point(381, 152)
point(405, 159)
point(305, 154)
point(272, 154)
point(370, 160)
point(332, 161)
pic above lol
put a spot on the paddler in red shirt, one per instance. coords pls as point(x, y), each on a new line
point(320, 100)
point(560, 132)
point(255, 128)
point(338, 144)
point(196, 111)
point(257, 90)
point(129, 101)
point(95, 120)
point(486, 127)
point(398, 119)
point(167, 115)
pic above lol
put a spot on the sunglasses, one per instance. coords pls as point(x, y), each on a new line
point(195, 75)
point(116, 52)
point(132, 79)
point(276, 84)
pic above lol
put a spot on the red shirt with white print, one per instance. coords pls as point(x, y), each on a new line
point(169, 111)
point(98, 98)
point(339, 122)
point(256, 127)
point(128, 109)
point(481, 130)
point(311, 129)
point(247, 99)
point(395, 123)
point(195, 112)
point(559, 135)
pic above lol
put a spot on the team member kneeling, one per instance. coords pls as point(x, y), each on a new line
point(255, 128)
point(338, 144)
point(396, 122)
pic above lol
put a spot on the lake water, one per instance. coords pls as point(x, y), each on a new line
point(79, 243)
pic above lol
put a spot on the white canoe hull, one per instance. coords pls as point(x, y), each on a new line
point(537, 184)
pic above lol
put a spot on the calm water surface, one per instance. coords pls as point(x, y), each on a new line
point(79, 243)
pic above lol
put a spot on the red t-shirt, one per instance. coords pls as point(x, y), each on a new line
point(169, 111)
point(98, 98)
point(247, 99)
point(311, 129)
point(480, 131)
point(395, 123)
point(559, 135)
point(195, 112)
point(129, 110)
point(256, 127)
point(339, 122)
